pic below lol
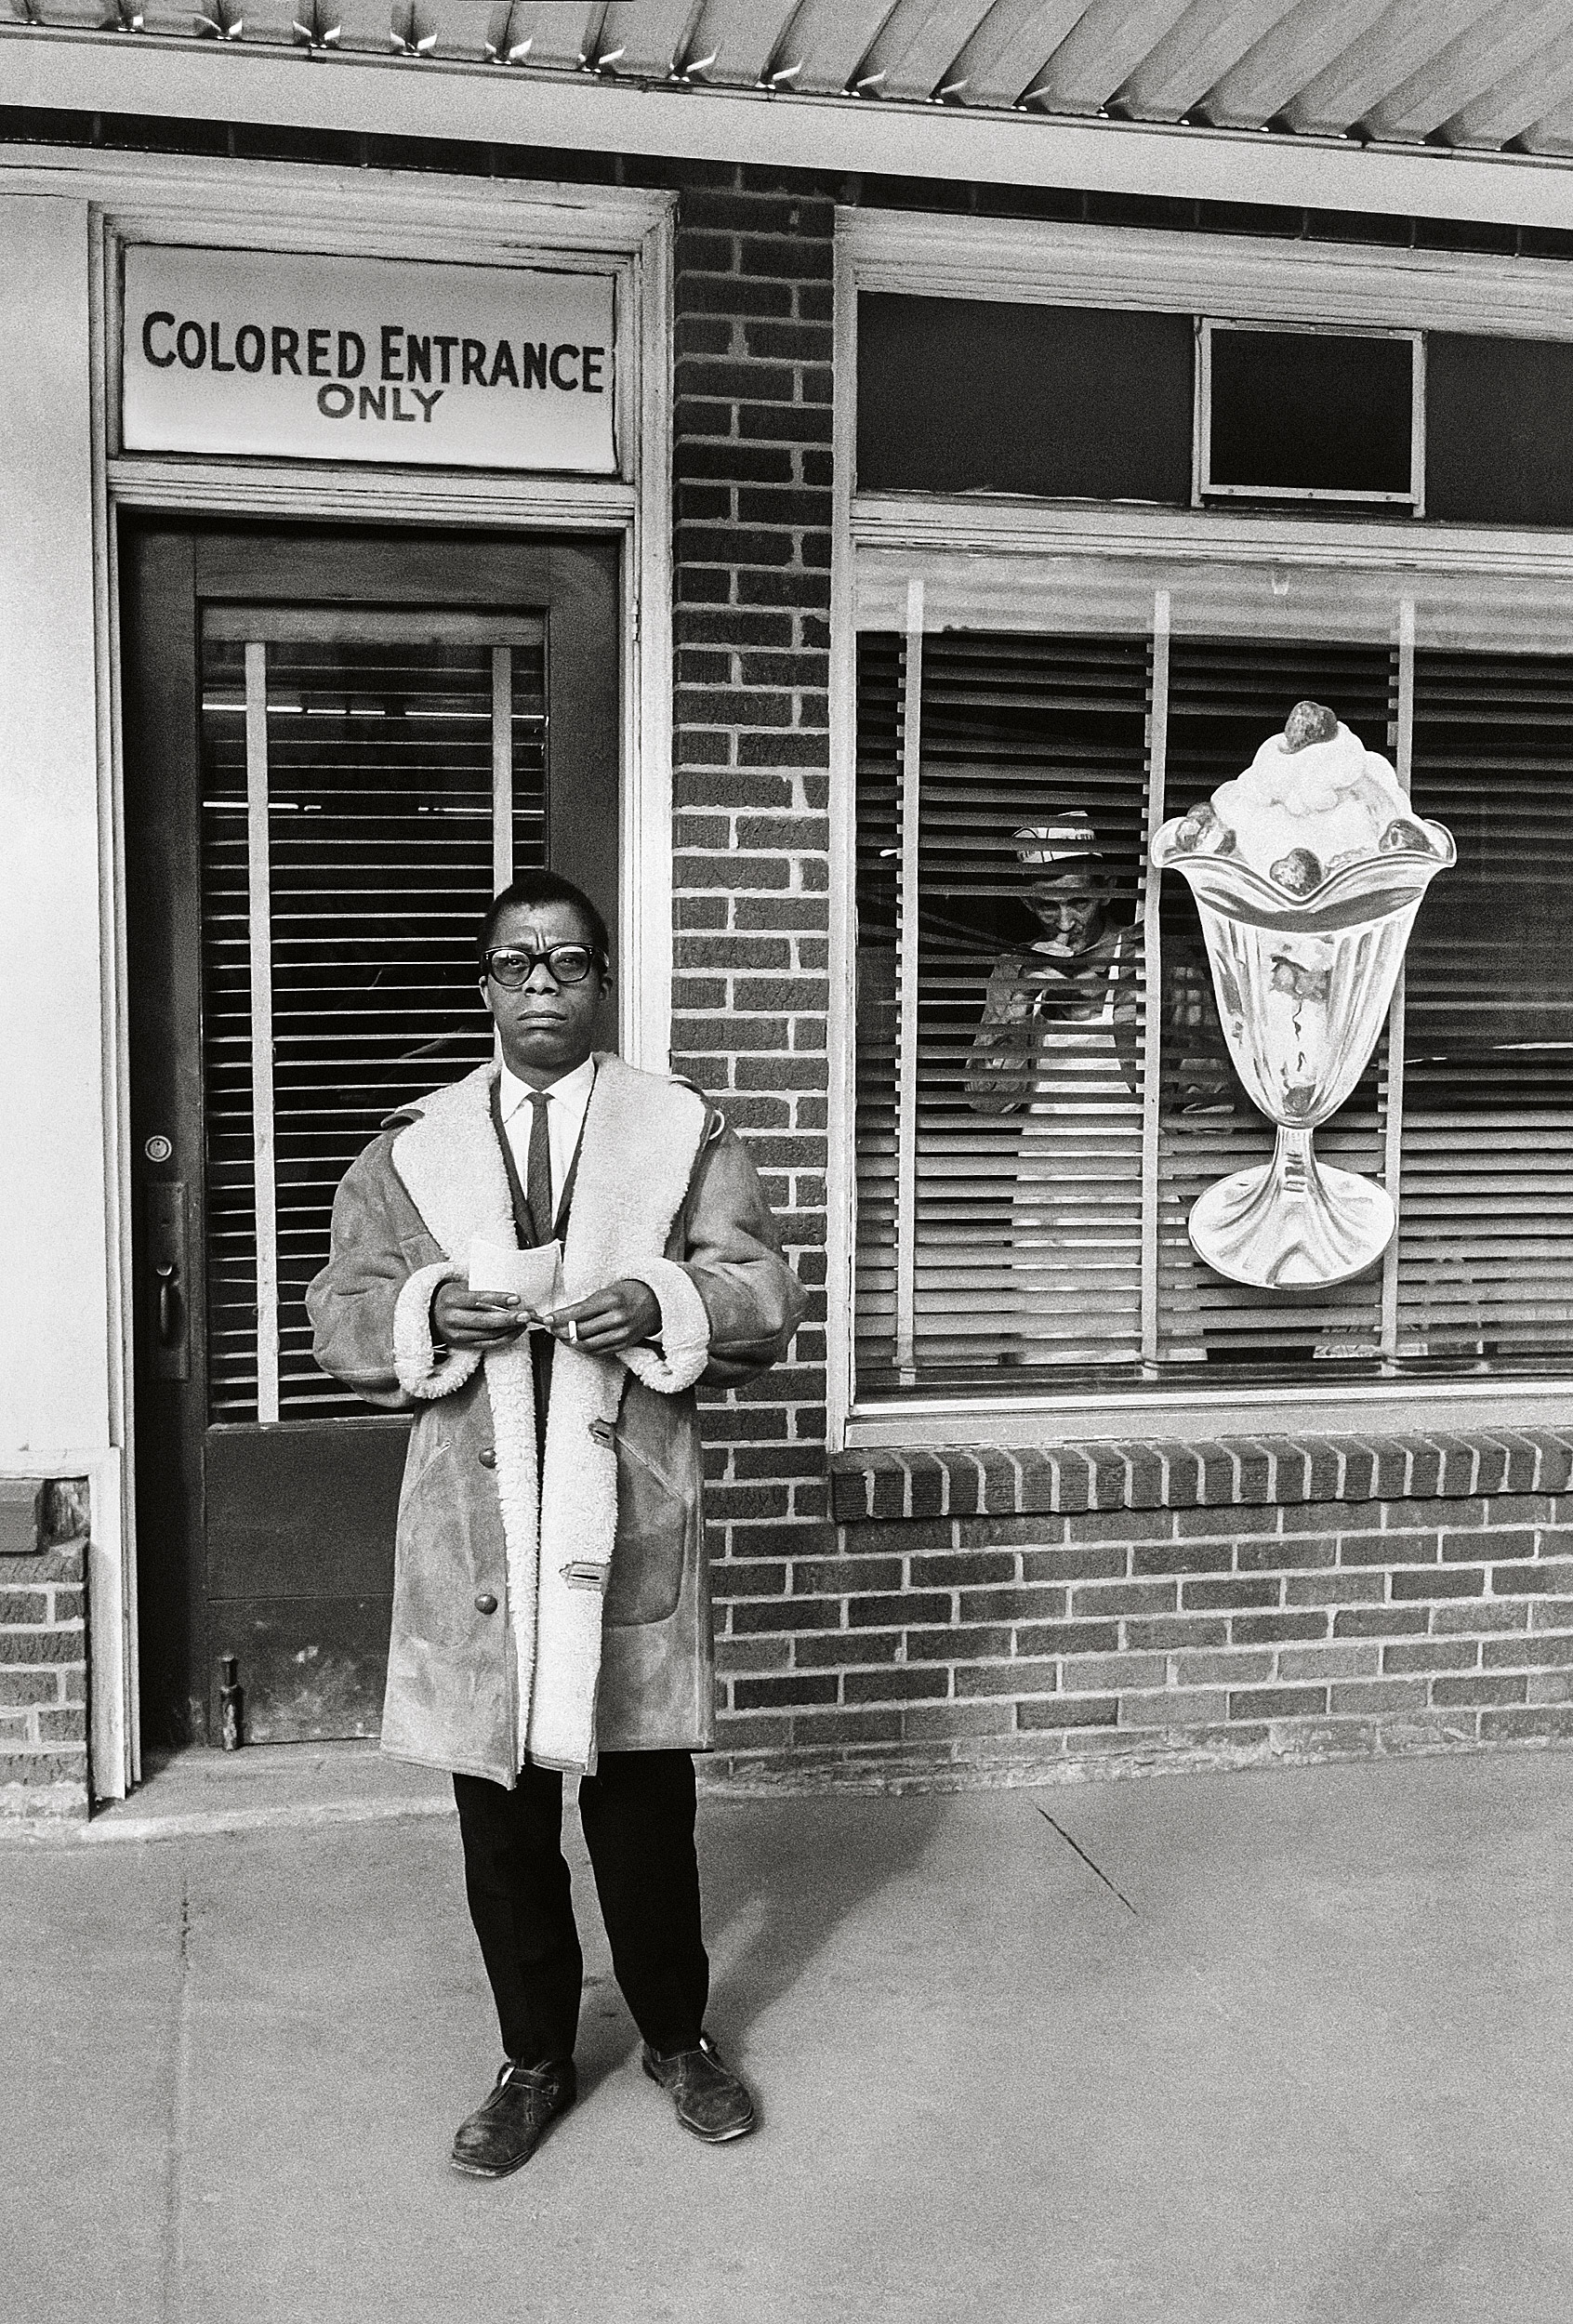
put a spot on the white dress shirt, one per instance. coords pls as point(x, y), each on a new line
point(566, 1119)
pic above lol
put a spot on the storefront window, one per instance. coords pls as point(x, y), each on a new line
point(1042, 1085)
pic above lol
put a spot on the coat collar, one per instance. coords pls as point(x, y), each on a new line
point(642, 1135)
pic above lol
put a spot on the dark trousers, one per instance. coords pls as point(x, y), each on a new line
point(638, 1815)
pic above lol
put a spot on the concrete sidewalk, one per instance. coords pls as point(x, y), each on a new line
point(1279, 2048)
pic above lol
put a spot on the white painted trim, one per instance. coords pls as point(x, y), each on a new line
point(908, 972)
point(1231, 277)
point(840, 1182)
point(174, 198)
point(114, 1673)
point(647, 904)
point(1397, 1050)
point(918, 532)
point(115, 1754)
point(927, 524)
point(260, 930)
point(218, 81)
point(1205, 491)
point(1410, 1406)
point(290, 490)
point(502, 767)
point(1151, 979)
point(374, 213)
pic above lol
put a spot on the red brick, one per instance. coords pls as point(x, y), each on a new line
point(1241, 1589)
point(813, 1729)
point(1549, 1723)
point(939, 1722)
point(1367, 1696)
point(1460, 1581)
point(1174, 1708)
point(844, 1649)
point(1119, 1673)
point(19, 1687)
point(1174, 1631)
point(1543, 1576)
point(1104, 1598)
point(1019, 1677)
point(1278, 1702)
point(952, 1643)
point(1261, 1630)
point(66, 1725)
point(1538, 1651)
point(903, 1682)
point(1223, 1669)
point(1080, 1711)
point(1012, 1606)
point(1068, 1638)
point(1477, 1690)
point(1380, 1621)
point(42, 1766)
point(1184, 1557)
point(1431, 1654)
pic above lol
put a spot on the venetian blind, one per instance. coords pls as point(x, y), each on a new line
point(1485, 1215)
point(350, 780)
point(1021, 1231)
point(1043, 1239)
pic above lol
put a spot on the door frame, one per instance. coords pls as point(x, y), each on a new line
point(300, 208)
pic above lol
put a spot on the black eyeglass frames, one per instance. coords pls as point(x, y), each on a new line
point(565, 964)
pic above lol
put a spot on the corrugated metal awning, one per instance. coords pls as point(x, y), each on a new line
point(1476, 75)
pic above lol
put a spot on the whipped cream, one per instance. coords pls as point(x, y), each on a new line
point(1312, 799)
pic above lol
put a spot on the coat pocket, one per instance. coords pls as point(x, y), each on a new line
point(657, 1521)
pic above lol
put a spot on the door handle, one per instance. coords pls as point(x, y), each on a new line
point(170, 1272)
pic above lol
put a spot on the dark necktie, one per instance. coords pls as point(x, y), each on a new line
point(538, 1168)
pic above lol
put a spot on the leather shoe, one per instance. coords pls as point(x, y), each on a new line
point(710, 2100)
point(505, 2131)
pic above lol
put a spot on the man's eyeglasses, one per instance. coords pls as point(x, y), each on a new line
point(565, 964)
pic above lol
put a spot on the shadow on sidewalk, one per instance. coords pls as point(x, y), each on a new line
point(779, 1877)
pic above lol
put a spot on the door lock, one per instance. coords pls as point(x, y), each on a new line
point(167, 1260)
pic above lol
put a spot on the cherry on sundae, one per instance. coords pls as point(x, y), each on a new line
point(1313, 800)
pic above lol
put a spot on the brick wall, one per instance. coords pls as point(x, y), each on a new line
point(751, 752)
point(1272, 1599)
point(42, 1647)
point(997, 1613)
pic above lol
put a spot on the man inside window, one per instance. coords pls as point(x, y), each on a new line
point(1060, 1047)
point(551, 1608)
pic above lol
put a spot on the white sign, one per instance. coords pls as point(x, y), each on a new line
point(288, 357)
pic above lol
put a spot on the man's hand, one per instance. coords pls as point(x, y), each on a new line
point(476, 1319)
point(621, 1317)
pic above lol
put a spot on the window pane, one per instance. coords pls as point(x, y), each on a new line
point(1028, 1123)
point(1226, 695)
point(380, 777)
point(1498, 446)
point(1307, 410)
point(973, 395)
point(1486, 1270)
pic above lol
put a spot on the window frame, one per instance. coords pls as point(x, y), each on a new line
point(1292, 285)
point(1276, 498)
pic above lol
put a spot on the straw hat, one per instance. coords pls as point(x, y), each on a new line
point(1069, 839)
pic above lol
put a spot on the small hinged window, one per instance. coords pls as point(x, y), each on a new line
point(1293, 414)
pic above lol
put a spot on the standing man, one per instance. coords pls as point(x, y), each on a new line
point(552, 1606)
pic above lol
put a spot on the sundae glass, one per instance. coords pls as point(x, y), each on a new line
point(1307, 870)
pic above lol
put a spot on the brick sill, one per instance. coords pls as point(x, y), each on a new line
point(1165, 1472)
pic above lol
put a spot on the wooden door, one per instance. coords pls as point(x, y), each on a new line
point(336, 748)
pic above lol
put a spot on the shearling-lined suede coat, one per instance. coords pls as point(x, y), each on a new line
point(559, 1607)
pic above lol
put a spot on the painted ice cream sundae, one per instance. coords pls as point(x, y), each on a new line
point(1308, 870)
point(1312, 801)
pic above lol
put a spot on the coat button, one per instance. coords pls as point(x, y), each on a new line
point(487, 1457)
point(484, 1601)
